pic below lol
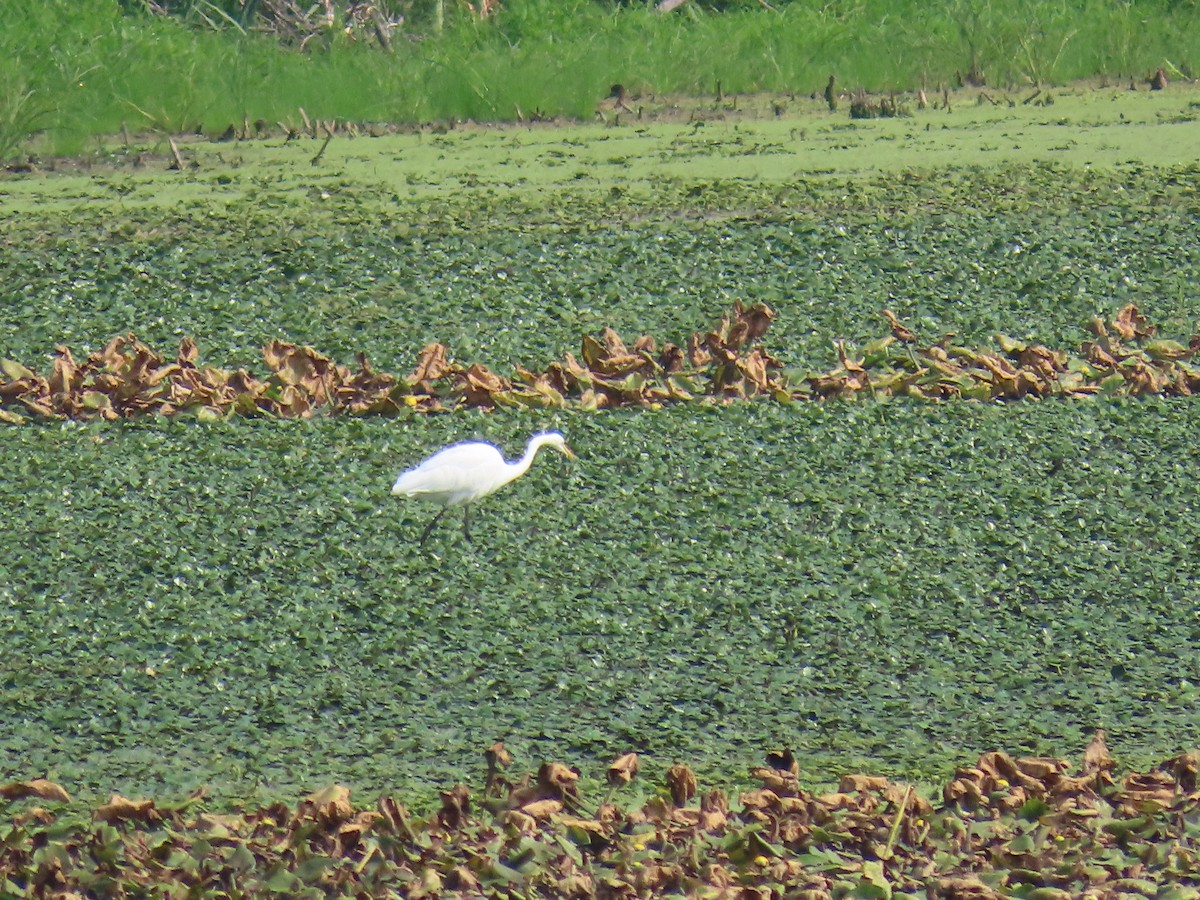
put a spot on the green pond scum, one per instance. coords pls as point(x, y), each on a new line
point(885, 586)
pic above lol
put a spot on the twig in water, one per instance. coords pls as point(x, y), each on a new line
point(179, 163)
point(328, 137)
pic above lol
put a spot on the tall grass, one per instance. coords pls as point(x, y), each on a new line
point(76, 68)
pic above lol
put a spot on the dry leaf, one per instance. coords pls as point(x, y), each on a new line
point(396, 816)
point(783, 760)
point(38, 787)
point(900, 331)
point(681, 782)
point(1131, 324)
point(558, 780)
point(1095, 757)
point(479, 386)
point(497, 755)
point(121, 809)
point(964, 888)
point(542, 809)
point(522, 822)
point(456, 806)
point(623, 769)
point(864, 783)
point(756, 318)
point(1185, 769)
point(328, 806)
point(432, 363)
point(780, 781)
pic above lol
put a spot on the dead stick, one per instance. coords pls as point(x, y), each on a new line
point(179, 164)
point(328, 137)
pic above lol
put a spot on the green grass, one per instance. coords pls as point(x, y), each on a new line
point(77, 70)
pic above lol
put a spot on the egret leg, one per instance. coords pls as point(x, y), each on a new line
point(429, 527)
point(467, 523)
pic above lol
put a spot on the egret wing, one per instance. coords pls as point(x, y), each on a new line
point(456, 475)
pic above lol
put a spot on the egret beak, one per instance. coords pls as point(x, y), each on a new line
point(568, 452)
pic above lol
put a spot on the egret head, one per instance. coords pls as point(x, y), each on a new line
point(555, 440)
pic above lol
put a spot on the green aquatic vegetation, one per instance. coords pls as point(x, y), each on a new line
point(880, 586)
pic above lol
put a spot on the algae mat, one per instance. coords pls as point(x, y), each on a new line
point(674, 144)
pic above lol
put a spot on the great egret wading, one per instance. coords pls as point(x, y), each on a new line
point(462, 473)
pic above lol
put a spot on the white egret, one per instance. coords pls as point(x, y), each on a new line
point(462, 473)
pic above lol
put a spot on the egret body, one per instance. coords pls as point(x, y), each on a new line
point(462, 473)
